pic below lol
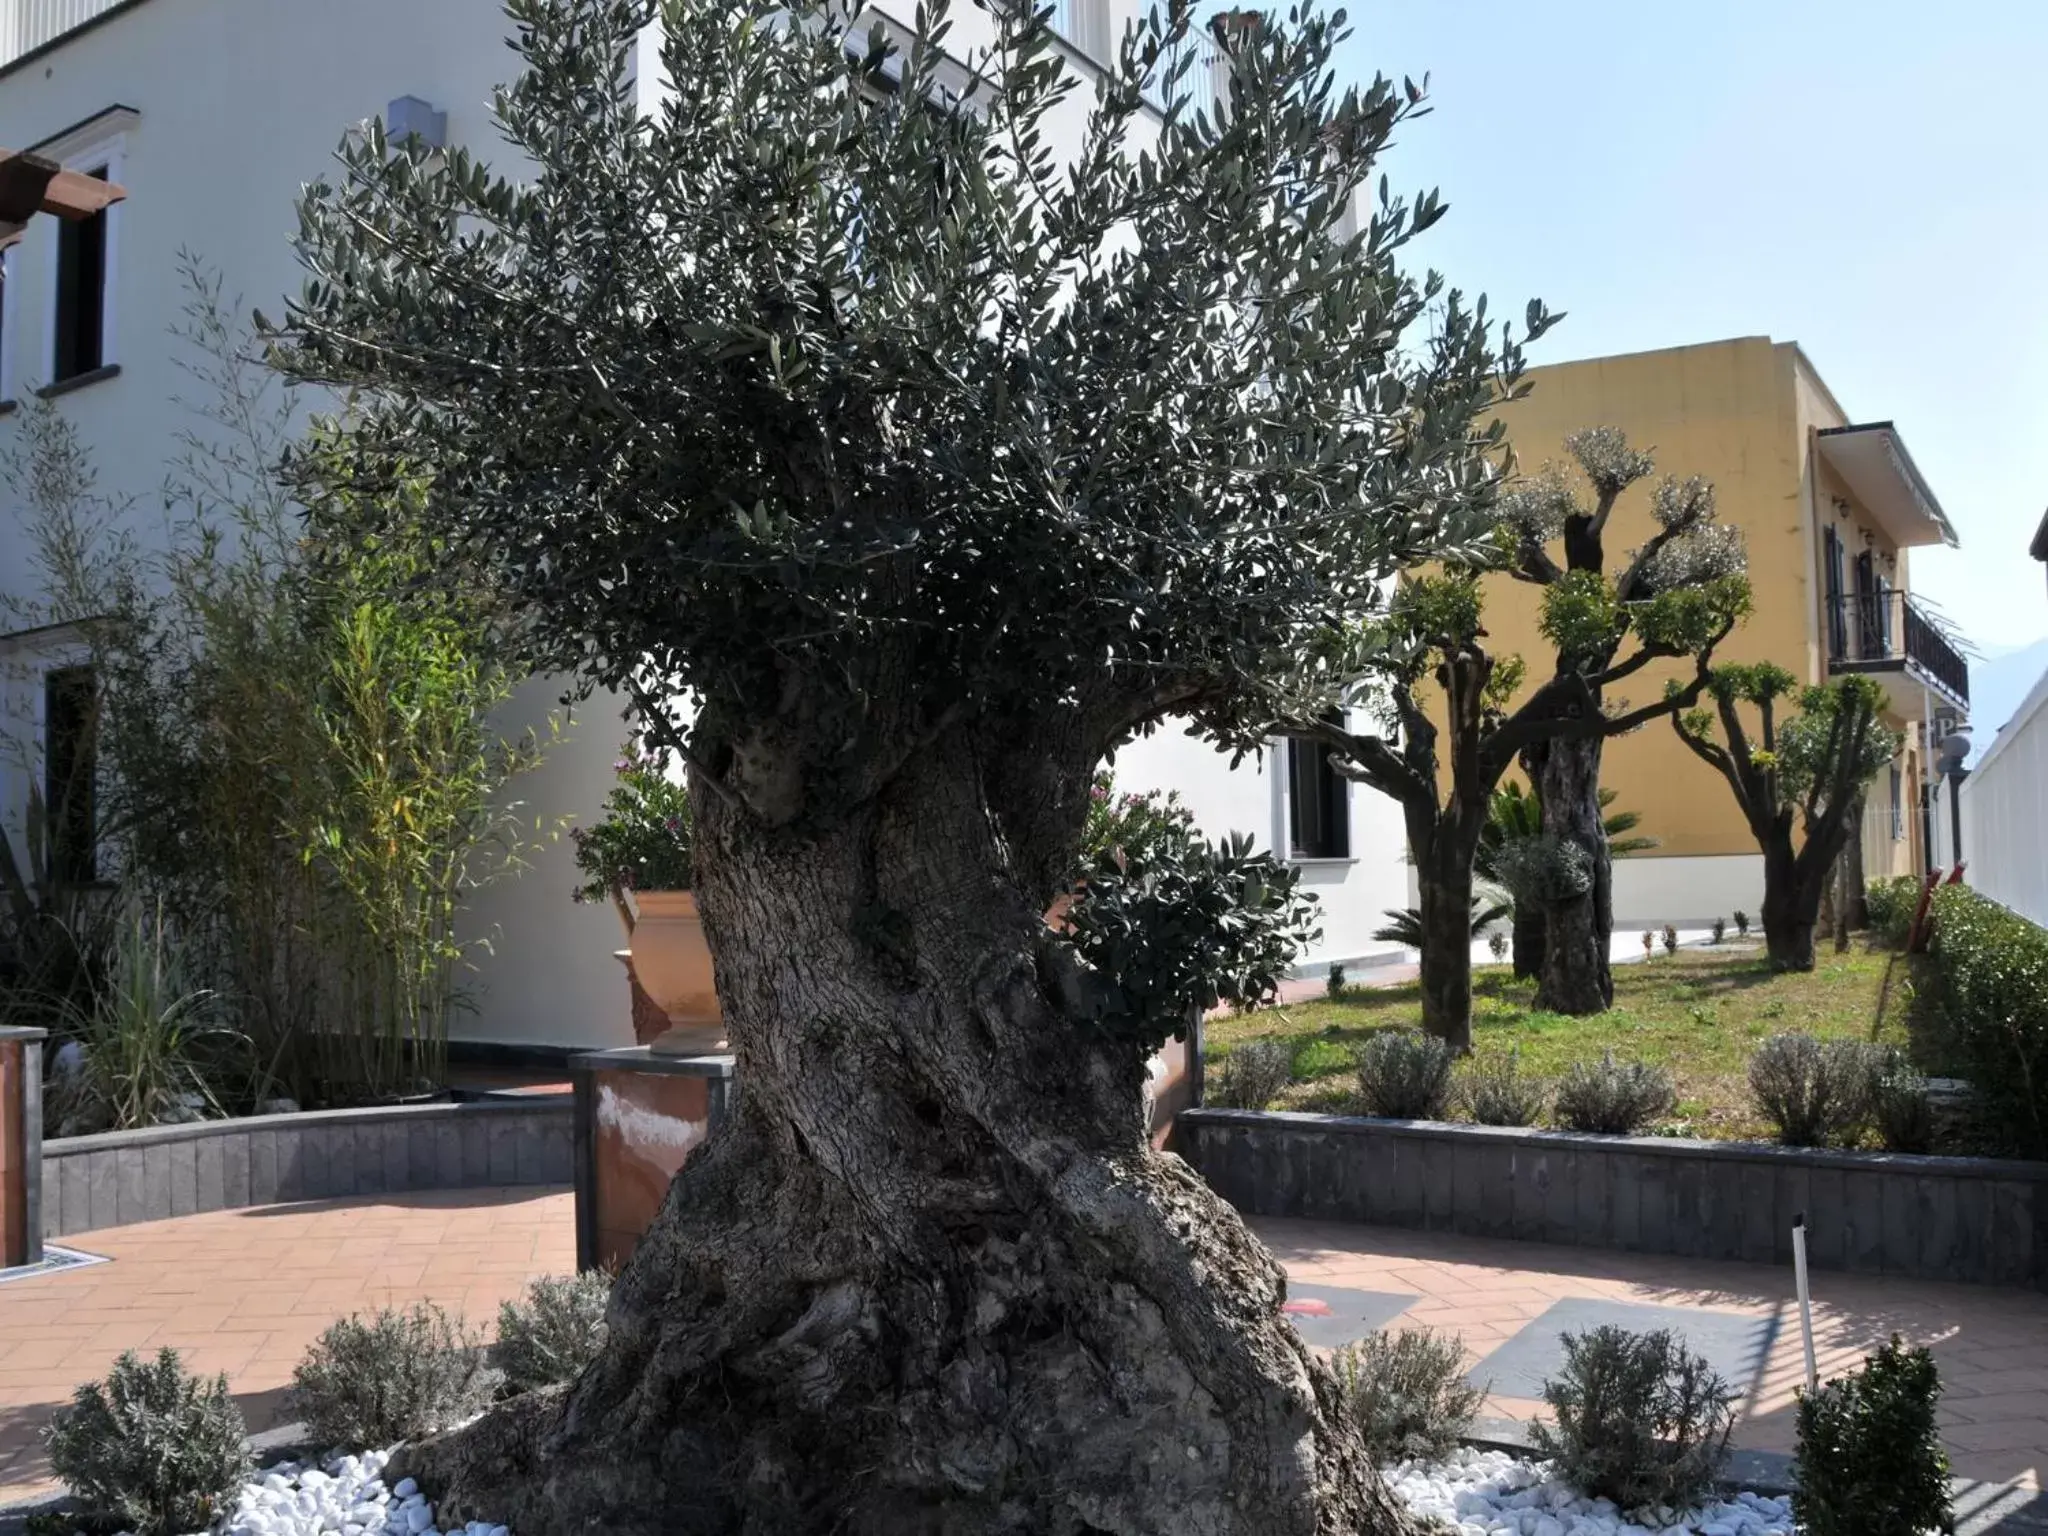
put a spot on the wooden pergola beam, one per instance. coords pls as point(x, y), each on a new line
point(30, 184)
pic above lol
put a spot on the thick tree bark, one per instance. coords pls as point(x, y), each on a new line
point(1791, 907)
point(1528, 935)
point(1445, 882)
point(929, 1278)
point(1576, 975)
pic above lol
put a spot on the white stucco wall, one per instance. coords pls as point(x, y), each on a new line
point(1687, 890)
point(2005, 813)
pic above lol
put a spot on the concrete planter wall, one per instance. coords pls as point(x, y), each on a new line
point(1933, 1218)
point(122, 1177)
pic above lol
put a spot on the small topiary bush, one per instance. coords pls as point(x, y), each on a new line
point(1720, 929)
point(1405, 1075)
point(153, 1449)
point(1991, 1001)
point(1407, 1393)
point(393, 1376)
point(1891, 905)
point(1333, 984)
point(1670, 940)
point(1816, 1092)
point(1251, 1076)
point(1901, 1109)
point(1870, 1459)
point(1741, 924)
point(556, 1331)
point(1640, 1419)
point(1613, 1098)
point(1494, 1091)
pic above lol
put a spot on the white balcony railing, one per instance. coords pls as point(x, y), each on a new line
point(25, 25)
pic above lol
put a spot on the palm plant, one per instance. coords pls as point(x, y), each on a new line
point(1404, 924)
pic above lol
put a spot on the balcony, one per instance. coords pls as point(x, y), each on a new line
point(26, 25)
point(1888, 632)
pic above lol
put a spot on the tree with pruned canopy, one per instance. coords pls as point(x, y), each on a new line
point(1444, 775)
point(1678, 588)
point(1808, 774)
point(930, 467)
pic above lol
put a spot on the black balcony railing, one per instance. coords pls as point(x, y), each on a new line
point(1876, 631)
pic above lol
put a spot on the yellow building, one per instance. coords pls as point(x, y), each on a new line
point(1830, 510)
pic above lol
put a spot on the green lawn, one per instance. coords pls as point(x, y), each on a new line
point(1699, 1012)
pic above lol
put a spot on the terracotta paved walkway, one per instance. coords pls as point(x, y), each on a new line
point(245, 1292)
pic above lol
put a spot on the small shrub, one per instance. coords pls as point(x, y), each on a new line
point(1494, 1092)
point(1649, 944)
point(394, 1376)
point(1816, 1092)
point(1497, 946)
point(1640, 1419)
point(1891, 905)
point(1405, 1075)
point(1901, 1109)
point(1333, 984)
point(1251, 1076)
point(1670, 940)
point(1720, 929)
point(1407, 1393)
point(1741, 924)
point(152, 1449)
point(1990, 1001)
point(556, 1331)
point(1870, 1459)
point(1612, 1098)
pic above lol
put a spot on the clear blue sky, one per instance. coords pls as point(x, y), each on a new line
point(1868, 178)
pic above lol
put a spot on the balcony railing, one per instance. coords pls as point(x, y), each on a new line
point(1879, 631)
point(25, 25)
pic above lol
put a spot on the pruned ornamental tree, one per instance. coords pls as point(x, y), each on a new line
point(1677, 587)
point(930, 464)
point(1800, 783)
point(1444, 777)
point(1514, 857)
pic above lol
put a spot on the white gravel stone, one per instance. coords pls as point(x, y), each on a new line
point(1490, 1493)
point(346, 1497)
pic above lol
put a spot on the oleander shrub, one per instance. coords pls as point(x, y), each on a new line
point(1900, 1108)
point(1613, 1098)
point(1870, 1460)
point(371, 1382)
point(1404, 1074)
point(1816, 1092)
point(1991, 1011)
point(555, 1330)
point(1407, 1393)
point(1494, 1091)
point(1890, 905)
point(1637, 1418)
point(1251, 1076)
point(153, 1449)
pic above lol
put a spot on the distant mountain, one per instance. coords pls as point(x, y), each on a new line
point(1999, 684)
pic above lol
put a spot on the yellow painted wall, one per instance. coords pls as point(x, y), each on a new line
point(1731, 411)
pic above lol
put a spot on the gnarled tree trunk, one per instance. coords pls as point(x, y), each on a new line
point(1528, 936)
point(1791, 910)
point(1444, 882)
point(929, 1278)
point(1577, 933)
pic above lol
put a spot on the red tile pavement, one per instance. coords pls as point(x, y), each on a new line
point(245, 1291)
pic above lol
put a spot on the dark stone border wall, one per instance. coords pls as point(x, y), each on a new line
point(1975, 1220)
point(122, 1177)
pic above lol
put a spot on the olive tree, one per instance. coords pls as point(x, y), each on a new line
point(1690, 565)
point(1808, 774)
point(929, 464)
point(1445, 776)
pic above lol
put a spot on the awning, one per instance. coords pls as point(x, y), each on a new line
point(1875, 464)
point(30, 184)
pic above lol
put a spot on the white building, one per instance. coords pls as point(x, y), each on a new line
point(212, 114)
point(2004, 817)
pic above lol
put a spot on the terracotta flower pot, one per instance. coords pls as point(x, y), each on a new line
point(672, 963)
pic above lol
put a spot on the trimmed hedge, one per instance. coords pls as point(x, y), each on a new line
point(1991, 974)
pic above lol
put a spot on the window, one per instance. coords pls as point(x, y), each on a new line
point(1898, 804)
point(1318, 803)
point(70, 765)
point(79, 344)
point(1832, 573)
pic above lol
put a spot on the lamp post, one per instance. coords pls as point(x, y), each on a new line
point(1953, 748)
